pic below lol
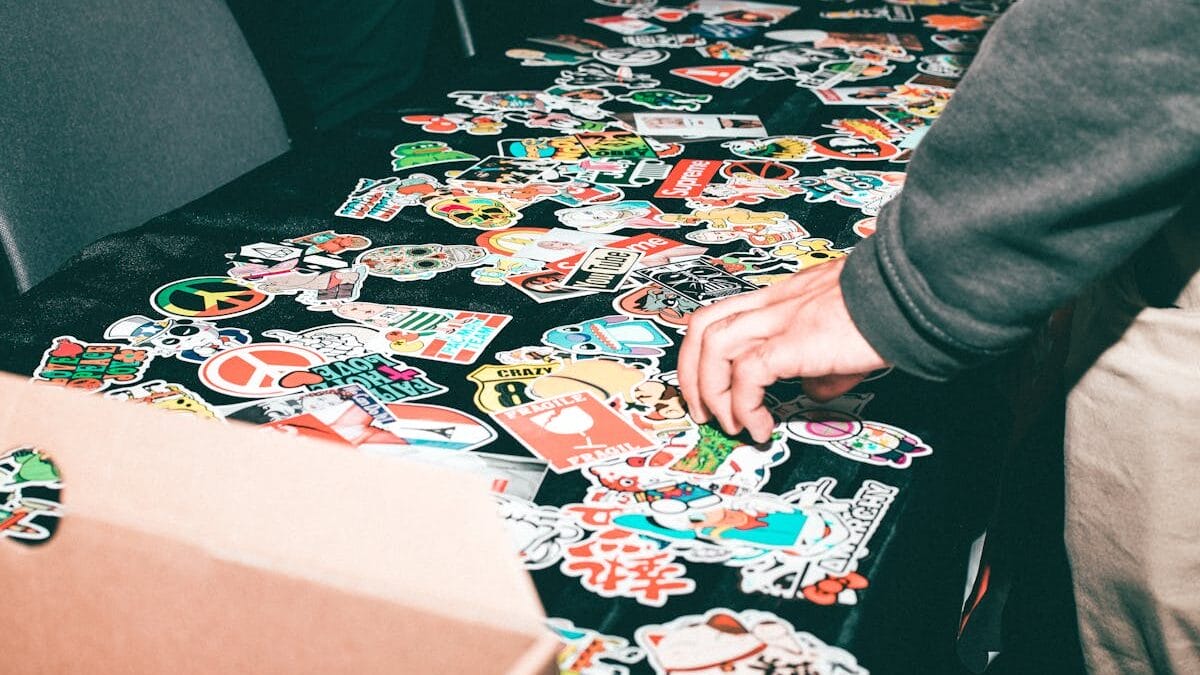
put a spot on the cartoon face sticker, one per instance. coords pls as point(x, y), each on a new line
point(615, 335)
point(659, 304)
point(613, 216)
point(419, 261)
point(193, 340)
point(480, 213)
point(778, 148)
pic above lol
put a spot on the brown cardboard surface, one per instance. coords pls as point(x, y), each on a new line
point(190, 541)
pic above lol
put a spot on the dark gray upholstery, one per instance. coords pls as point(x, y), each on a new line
point(115, 111)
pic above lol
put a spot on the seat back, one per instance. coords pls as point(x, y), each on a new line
point(112, 113)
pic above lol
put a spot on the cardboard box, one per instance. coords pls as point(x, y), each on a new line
point(191, 546)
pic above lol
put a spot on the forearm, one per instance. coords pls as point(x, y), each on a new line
point(1075, 136)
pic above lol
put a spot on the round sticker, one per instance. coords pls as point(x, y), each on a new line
point(508, 242)
point(207, 298)
point(823, 425)
point(852, 149)
point(759, 168)
point(632, 57)
point(256, 370)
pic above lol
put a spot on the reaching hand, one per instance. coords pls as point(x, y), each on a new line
point(736, 348)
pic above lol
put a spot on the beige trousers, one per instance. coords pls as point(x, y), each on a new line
point(1133, 477)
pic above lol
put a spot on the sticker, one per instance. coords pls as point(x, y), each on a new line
point(424, 153)
point(958, 44)
point(868, 129)
point(558, 148)
point(595, 75)
point(839, 427)
point(632, 57)
point(409, 430)
point(495, 268)
point(265, 259)
point(387, 379)
point(540, 534)
point(778, 148)
point(615, 145)
point(864, 227)
point(604, 378)
point(852, 149)
point(654, 250)
point(727, 77)
point(317, 291)
point(584, 194)
point(619, 172)
point(560, 243)
point(746, 642)
point(893, 13)
point(615, 335)
point(688, 178)
point(665, 99)
point(207, 298)
point(499, 170)
point(725, 31)
point(480, 213)
point(866, 191)
point(662, 305)
point(419, 261)
point(333, 341)
point(574, 43)
point(626, 25)
point(586, 652)
point(449, 123)
point(742, 12)
point(944, 65)
point(602, 270)
point(699, 126)
point(537, 57)
point(858, 96)
point(510, 476)
point(328, 408)
point(544, 286)
point(497, 102)
point(511, 240)
point(453, 336)
point(809, 252)
point(191, 340)
point(697, 280)
point(668, 40)
point(956, 22)
point(616, 563)
point(256, 370)
point(382, 198)
point(726, 51)
point(758, 228)
point(610, 217)
point(91, 366)
point(498, 387)
point(572, 431)
point(30, 502)
point(168, 396)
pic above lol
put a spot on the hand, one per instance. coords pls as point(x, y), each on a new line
point(800, 327)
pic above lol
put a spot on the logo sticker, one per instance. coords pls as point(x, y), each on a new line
point(498, 387)
point(603, 270)
point(208, 298)
point(697, 280)
point(257, 370)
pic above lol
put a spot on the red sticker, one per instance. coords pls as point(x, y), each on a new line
point(688, 178)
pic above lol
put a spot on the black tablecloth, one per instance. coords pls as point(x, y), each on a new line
point(905, 620)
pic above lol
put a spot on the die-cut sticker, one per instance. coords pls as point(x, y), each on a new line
point(333, 341)
point(449, 123)
point(419, 261)
point(191, 340)
point(424, 153)
point(806, 253)
point(615, 335)
point(169, 396)
point(539, 533)
point(633, 57)
point(387, 379)
point(838, 426)
point(91, 366)
point(586, 652)
point(257, 370)
point(697, 280)
point(207, 298)
point(501, 386)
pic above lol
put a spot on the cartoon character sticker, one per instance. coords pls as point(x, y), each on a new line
point(750, 642)
point(586, 652)
point(168, 396)
point(614, 335)
point(30, 486)
point(191, 340)
point(839, 427)
point(424, 153)
point(665, 99)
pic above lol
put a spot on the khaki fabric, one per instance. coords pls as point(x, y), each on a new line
point(1133, 471)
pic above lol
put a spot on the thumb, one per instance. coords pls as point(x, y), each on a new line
point(828, 387)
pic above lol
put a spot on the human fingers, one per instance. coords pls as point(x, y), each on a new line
point(829, 387)
point(752, 373)
point(724, 342)
point(689, 352)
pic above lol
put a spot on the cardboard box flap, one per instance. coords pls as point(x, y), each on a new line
point(398, 531)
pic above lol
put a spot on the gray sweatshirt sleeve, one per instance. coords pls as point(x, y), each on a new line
point(1072, 139)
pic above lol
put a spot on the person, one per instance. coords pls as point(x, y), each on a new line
point(1067, 166)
